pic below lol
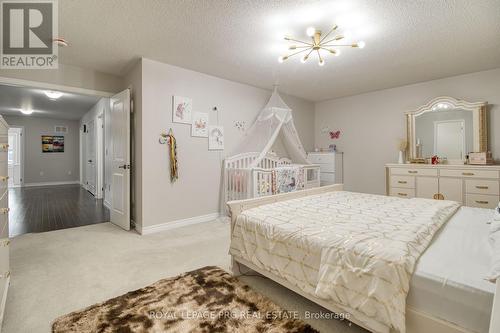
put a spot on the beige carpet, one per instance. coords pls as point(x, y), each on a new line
point(55, 273)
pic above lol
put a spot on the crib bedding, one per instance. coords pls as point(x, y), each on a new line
point(355, 250)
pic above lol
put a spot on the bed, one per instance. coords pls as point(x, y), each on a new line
point(437, 287)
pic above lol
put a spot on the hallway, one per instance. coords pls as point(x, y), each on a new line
point(46, 208)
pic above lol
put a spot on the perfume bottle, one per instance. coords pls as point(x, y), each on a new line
point(418, 149)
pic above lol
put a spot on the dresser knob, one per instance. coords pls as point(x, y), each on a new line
point(438, 196)
point(482, 187)
point(5, 210)
point(403, 194)
point(4, 178)
point(482, 202)
point(412, 171)
point(467, 173)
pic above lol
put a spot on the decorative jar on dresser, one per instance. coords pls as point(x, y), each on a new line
point(471, 185)
point(4, 217)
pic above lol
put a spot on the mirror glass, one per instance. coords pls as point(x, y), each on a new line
point(444, 131)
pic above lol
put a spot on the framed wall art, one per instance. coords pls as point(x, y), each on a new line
point(181, 110)
point(52, 144)
point(215, 138)
point(199, 127)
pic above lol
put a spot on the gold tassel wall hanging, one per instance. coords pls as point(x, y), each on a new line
point(172, 148)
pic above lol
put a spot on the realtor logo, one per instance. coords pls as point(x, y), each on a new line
point(28, 30)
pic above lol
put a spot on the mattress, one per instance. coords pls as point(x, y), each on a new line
point(448, 282)
point(449, 279)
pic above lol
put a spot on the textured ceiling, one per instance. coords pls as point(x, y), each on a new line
point(406, 41)
point(69, 106)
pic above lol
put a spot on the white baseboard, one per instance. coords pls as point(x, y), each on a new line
point(52, 183)
point(177, 224)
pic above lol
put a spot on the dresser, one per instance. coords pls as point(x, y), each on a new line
point(4, 217)
point(471, 185)
point(330, 163)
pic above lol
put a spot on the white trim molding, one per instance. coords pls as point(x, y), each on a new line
point(71, 182)
point(177, 224)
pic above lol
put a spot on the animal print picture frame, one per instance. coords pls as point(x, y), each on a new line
point(199, 127)
point(181, 110)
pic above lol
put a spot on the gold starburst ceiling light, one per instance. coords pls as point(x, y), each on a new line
point(318, 42)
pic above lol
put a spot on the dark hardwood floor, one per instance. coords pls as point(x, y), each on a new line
point(46, 208)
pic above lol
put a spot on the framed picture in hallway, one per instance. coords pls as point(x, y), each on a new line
point(52, 144)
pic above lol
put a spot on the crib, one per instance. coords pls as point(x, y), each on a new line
point(244, 182)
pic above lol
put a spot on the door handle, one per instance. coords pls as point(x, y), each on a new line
point(90, 161)
point(125, 166)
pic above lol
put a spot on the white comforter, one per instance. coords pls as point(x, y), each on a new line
point(367, 246)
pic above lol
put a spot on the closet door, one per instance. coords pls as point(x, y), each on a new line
point(451, 189)
point(427, 187)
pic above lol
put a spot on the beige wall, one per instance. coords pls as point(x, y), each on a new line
point(70, 76)
point(56, 167)
point(372, 123)
point(197, 191)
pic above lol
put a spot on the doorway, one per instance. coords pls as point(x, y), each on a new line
point(16, 156)
point(90, 156)
point(56, 148)
point(449, 139)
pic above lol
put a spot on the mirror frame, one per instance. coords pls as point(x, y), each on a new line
point(480, 140)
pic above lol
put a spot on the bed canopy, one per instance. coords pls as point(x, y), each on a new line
point(274, 121)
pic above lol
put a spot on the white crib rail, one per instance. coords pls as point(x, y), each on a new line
point(243, 182)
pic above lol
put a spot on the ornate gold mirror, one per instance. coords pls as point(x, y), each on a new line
point(448, 128)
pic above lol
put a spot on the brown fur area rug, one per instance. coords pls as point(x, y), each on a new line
point(205, 300)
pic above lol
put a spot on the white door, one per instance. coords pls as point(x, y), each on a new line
point(120, 159)
point(449, 139)
point(91, 157)
point(15, 156)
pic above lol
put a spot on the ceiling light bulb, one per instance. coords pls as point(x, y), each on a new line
point(339, 37)
point(282, 58)
point(26, 111)
point(321, 62)
point(310, 31)
point(53, 94)
point(304, 59)
point(292, 47)
point(361, 44)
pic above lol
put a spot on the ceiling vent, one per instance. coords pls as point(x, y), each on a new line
point(60, 129)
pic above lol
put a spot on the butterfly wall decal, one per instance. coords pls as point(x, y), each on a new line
point(334, 135)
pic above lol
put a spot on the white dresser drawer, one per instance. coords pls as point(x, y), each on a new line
point(403, 181)
point(481, 200)
point(481, 186)
point(322, 159)
point(474, 173)
point(414, 171)
point(328, 177)
point(4, 257)
point(402, 192)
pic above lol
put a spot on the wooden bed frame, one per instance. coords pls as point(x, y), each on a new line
point(416, 322)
